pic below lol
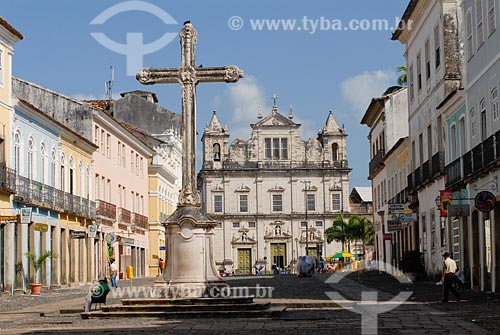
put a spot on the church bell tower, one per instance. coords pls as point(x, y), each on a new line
point(215, 144)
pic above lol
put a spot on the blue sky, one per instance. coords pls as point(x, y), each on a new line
point(315, 72)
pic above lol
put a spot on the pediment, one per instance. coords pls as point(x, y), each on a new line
point(276, 188)
point(275, 120)
point(243, 188)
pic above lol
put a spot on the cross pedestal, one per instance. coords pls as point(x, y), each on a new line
point(190, 267)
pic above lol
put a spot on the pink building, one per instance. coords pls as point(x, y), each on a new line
point(121, 195)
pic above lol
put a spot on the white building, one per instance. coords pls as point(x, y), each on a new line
point(387, 118)
point(480, 162)
point(431, 35)
point(258, 189)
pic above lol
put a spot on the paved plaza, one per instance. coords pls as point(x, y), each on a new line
point(309, 310)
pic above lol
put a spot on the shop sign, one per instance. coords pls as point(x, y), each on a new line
point(41, 227)
point(26, 215)
point(78, 234)
point(92, 232)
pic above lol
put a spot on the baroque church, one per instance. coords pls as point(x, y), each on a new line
point(275, 194)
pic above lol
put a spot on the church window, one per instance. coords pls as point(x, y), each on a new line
point(268, 148)
point(336, 202)
point(243, 203)
point(284, 148)
point(311, 202)
point(236, 225)
point(218, 203)
point(277, 203)
point(216, 152)
point(276, 148)
point(319, 223)
point(335, 152)
point(251, 225)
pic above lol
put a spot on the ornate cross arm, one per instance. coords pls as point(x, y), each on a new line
point(150, 76)
point(229, 74)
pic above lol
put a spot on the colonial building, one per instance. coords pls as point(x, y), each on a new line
point(158, 127)
point(433, 60)
point(52, 165)
point(8, 37)
point(118, 178)
point(387, 118)
point(479, 162)
point(275, 193)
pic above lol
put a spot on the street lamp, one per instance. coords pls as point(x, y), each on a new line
point(306, 187)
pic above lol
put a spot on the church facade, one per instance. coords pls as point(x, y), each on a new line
point(274, 194)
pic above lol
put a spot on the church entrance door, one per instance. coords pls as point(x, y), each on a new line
point(244, 260)
point(278, 254)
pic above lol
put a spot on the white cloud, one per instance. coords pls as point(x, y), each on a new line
point(358, 90)
point(241, 101)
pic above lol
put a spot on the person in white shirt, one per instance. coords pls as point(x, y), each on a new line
point(449, 277)
point(114, 272)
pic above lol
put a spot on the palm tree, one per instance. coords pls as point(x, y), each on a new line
point(337, 232)
point(403, 78)
point(361, 229)
point(39, 262)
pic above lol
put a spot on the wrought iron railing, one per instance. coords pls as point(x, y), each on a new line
point(426, 172)
point(105, 209)
point(477, 157)
point(438, 164)
point(454, 172)
point(7, 179)
point(124, 215)
point(488, 150)
point(467, 162)
point(33, 192)
point(418, 177)
point(376, 161)
point(139, 220)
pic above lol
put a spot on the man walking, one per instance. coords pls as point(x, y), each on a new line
point(448, 278)
point(114, 272)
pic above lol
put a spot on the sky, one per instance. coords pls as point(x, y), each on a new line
point(317, 56)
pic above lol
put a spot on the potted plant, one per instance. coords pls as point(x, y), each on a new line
point(412, 263)
point(38, 263)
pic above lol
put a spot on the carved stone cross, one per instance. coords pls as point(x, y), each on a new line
point(188, 75)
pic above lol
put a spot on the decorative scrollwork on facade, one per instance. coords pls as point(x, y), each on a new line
point(188, 197)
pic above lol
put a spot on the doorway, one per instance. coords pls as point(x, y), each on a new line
point(244, 260)
point(278, 254)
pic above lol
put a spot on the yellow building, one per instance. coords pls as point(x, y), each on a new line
point(8, 37)
point(77, 256)
point(164, 173)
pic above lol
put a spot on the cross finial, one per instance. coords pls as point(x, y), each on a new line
point(275, 98)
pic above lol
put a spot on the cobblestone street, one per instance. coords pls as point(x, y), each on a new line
point(421, 314)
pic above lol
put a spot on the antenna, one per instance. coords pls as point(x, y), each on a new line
point(109, 84)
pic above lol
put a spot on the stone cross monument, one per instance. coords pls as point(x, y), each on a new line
point(190, 266)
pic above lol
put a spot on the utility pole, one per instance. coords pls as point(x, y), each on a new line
point(306, 188)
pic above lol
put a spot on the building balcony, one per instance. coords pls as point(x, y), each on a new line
point(417, 178)
point(35, 193)
point(467, 162)
point(477, 157)
point(106, 210)
point(411, 185)
point(275, 164)
point(7, 180)
point(376, 162)
point(124, 215)
point(438, 164)
point(426, 172)
point(139, 220)
point(489, 151)
point(453, 172)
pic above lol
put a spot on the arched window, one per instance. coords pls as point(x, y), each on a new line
point(43, 162)
point(216, 152)
point(31, 155)
point(335, 152)
point(62, 185)
point(72, 175)
point(88, 182)
point(53, 163)
point(81, 179)
point(17, 152)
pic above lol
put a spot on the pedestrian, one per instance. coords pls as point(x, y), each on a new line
point(161, 265)
point(448, 278)
point(114, 272)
